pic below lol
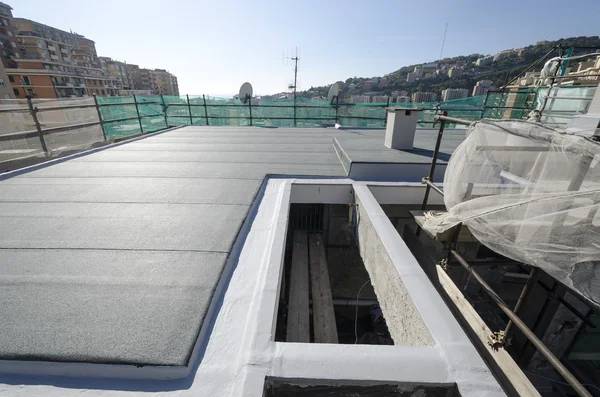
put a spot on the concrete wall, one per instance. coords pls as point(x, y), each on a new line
point(403, 320)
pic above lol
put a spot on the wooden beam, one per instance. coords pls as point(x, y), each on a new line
point(323, 315)
point(298, 322)
point(508, 373)
point(464, 236)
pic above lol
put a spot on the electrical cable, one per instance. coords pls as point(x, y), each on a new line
point(356, 313)
point(562, 383)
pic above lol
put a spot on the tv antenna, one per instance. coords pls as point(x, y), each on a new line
point(444, 41)
point(295, 59)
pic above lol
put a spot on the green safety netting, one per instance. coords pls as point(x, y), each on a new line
point(129, 115)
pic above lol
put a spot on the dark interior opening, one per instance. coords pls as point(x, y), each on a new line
point(357, 316)
point(275, 387)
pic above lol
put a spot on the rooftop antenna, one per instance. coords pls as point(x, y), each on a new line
point(295, 86)
point(245, 95)
point(333, 93)
point(444, 41)
point(245, 92)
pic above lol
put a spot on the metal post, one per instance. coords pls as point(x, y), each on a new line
point(487, 95)
point(294, 108)
point(164, 107)
point(532, 337)
point(337, 110)
point(250, 107)
point(205, 110)
point(33, 111)
point(525, 292)
point(434, 160)
point(386, 107)
point(189, 109)
point(99, 116)
point(137, 110)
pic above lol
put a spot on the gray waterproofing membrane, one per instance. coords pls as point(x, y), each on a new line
point(114, 256)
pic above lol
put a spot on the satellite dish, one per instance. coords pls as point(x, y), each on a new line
point(334, 90)
point(245, 92)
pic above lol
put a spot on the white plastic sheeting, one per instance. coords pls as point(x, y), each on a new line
point(531, 194)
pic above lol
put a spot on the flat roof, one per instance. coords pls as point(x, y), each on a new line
point(113, 256)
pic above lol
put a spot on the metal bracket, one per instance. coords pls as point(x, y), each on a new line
point(498, 340)
point(443, 264)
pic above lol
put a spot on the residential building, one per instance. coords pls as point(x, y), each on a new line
point(8, 45)
point(411, 77)
point(380, 99)
point(135, 76)
point(424, 96)
point(52, 63)
point(6, 91)
point(402, 99)
point(454, 93)
point(503, 54)
point(418, 71)
point(485, 61)
point(455, 72)
point(482, 87)
point(164, 83)
point(174, 84)
point(530, 78)
point(146, 82)
point(135, 92)
point(119, 71)
point(399, 93)
point(360, 99)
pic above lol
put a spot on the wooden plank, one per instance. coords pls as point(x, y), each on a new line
point(325, 329)
point(502, 364)
point(298, 322)
point(464, 236)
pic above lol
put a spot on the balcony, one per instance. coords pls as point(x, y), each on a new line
point(64, 50)
point(51, 47)
point(55, 57)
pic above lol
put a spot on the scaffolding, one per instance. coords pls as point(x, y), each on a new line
point(499, 338)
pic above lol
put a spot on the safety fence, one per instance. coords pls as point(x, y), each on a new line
point(52, 127)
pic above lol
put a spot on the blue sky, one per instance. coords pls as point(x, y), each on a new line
point(214, 46)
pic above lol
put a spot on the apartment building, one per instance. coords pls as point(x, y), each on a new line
point(455, 72)
point(454, 93)
point(119, 71)
point(424, 96)
point(164, 83)
point(146, 81)
point(8, 45)
point(51, 63)
point(482, 87)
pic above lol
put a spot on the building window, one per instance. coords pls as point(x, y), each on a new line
point(11, 79)
point(2, 83)
point(16, 91)
point(30, 92)
point(102, 92)
point(14, 45)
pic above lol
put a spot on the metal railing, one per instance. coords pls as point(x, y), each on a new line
point(116, 115)
point(532, 279)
